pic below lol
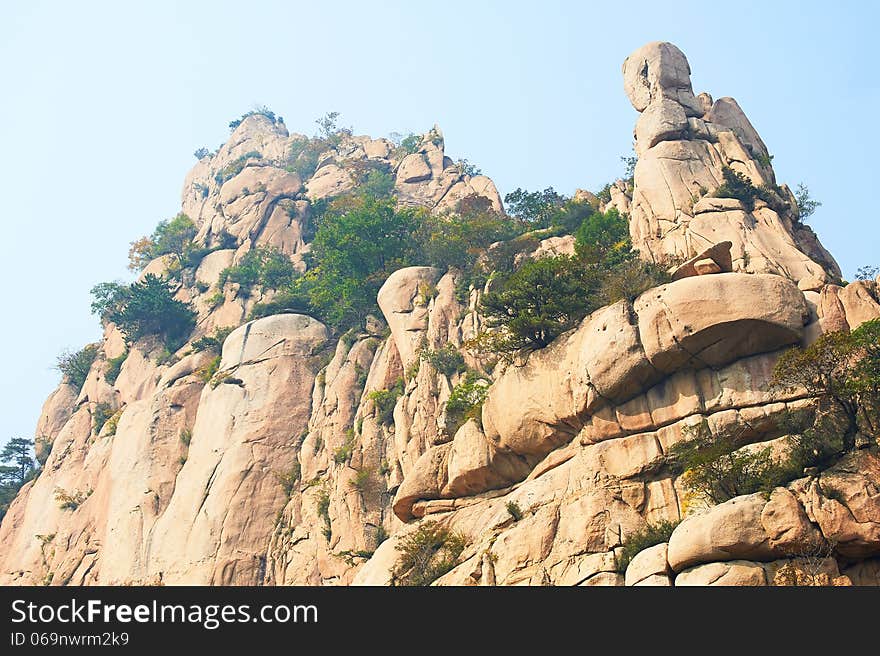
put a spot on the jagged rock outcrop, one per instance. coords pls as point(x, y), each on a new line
point(296, 455)
point(683, 142)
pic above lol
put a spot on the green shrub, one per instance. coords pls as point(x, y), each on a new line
point(264, 266)
point(302, 158)
point(235, 167)
point(114, 366)
point(323, 508)
point(363, 479)
point(538, 302)
point(212, 342)
point(359, 242)
point(112, 423)
point(447, 360)
point(343, 453)
point(514, 510)
point(457, 239)
point(426, 554)
point(207, 372)
point(467, 397)
point(842, 370)
point(736, 185)
point(651, 535)
point(172, 237)
point(289, 479)
point(67, 501)
point(629, 278)
point(716, 468)
point(867, 272)
point(100, 415)
point(76, 366)
point(185, 436)
point(602, 237)
point(533, 209)
point(806, 206)
point(384, 402)
point(262, 110)
point(145, 308)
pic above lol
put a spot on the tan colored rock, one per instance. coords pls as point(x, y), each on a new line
point(832, 315)
point(844, 501)
point(786, 524)
point(401, 300)
point(659, 71)
point(716, 259)
point(709, 320)
point(647, 563)
point(426, 481)
point(241, 437)
point(662, 120)
point(330, 180)
point(213, 264)
point(729, 531)
point(736, 572)
point(860, 302)
point(813, 571)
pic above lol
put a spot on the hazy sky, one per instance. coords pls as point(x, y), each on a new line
point(103, 104)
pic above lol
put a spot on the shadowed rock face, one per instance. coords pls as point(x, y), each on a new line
point(279, 468)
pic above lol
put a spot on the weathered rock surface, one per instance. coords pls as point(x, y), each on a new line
point(281, 468)
point(683, 143)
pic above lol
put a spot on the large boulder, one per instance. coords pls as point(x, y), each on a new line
point(728, 531)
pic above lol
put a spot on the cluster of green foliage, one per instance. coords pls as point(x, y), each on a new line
point(514, 510)
point(405, 145)
point(384, 402)
point(257, 111)
point(206, 373)
point(75, 366)
point(100, 415)
point(145, 308)
point(289, 479)
point(67, 501)
point(17, 469)
point(323, 508)
point(867, 272)
point(544, 298)
point(343, 453)
point(114, 366)
point(172, 237)
point(201, 153)
point(842, 371)
point(458, 239)
point(467, 168)
point(264, 266)
point(739, 186)
point(359, 242)
point(466, 400)
point(651, 535)
point(236, 166)
point(426, 554)
point(806, 205)
point(212, 342)
point(362, 480)
point(534, 209)
point(447, 360)
point(302, 157)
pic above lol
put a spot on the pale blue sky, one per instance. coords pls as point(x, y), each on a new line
point(104, 103)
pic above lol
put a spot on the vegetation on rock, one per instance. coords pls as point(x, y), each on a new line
point(426, 554)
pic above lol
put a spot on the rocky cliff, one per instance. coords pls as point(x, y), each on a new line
point(282, 468)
